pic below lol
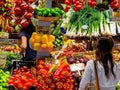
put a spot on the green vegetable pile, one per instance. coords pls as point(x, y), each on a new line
point(4, 77)
point(58, 41)
point(10, 57)
point(48, 12)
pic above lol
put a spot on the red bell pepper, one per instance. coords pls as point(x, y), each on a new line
point(56, 78)
point(48, 80)
point(50, 74)
point(62, 78)
point(44, 86)
point(52, 86)
point(66, 86)
point(59, 85)
point(66, 73)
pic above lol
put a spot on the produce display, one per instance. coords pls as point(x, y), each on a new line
point(23, 11)
point(6, 14)
point(40, 40)
point(52, 76)
point(58, 41)
point(4, 77)
point(10, 58)
point(23, 78)
point(81, 23)
point(48, 12)
point(77, 4)
point(10, 48)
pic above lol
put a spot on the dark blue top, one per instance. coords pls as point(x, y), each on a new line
point(30, 54)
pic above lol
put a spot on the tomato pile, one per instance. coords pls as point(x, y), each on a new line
point(77, 4)
point(92, 3)
point(23, 79)
point(114, 4)
point(23, 11)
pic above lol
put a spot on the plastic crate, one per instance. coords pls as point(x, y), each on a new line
point(18, 64)
point(12, 88)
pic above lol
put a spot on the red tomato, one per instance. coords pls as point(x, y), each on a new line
point(24, 6)
point(81, 0)
point(28, 15)
point(28, 74)
point(17, 10)
point(20, 86)
point(10, 82)
point(67, 2)
point(115, 1)
point(74, 5)
point(68, 6)
point(23, 79)
point(66, 10)
point(74, 1)
point(28, 84)
point(75, 9)
point(30, 9)
point(78, 7)
point(18, 2)
point(77, 2)
point(90, 2)
point(36, 84)
point(93, 4)
point(116, 6)
point(31, 1)
point(25, 24)
point(16, 83)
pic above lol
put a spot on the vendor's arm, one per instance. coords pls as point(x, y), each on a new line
point(23, 44)
point(87, 76)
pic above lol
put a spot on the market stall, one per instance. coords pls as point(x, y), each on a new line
point(65, 39)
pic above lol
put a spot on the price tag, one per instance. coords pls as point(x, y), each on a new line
point(2, 60)
point(77, 67)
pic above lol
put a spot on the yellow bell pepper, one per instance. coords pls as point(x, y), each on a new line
point(44, 39)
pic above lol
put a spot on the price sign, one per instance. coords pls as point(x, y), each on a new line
point(2, 60)
point(77, 67)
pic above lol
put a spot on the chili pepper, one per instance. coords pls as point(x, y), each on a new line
point(52, 86)
point(66, 86)
point(48, 80)
point(59, 85)
point(56, 78)
point(53, 68)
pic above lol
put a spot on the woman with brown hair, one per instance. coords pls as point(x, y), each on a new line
point(108, 70)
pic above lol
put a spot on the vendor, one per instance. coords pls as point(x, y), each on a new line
point(26, 51)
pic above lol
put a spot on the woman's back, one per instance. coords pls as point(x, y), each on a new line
point(104, 82)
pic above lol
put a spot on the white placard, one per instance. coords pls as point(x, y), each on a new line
point(76, 67)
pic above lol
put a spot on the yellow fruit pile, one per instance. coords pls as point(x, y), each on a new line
point(40, 40)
